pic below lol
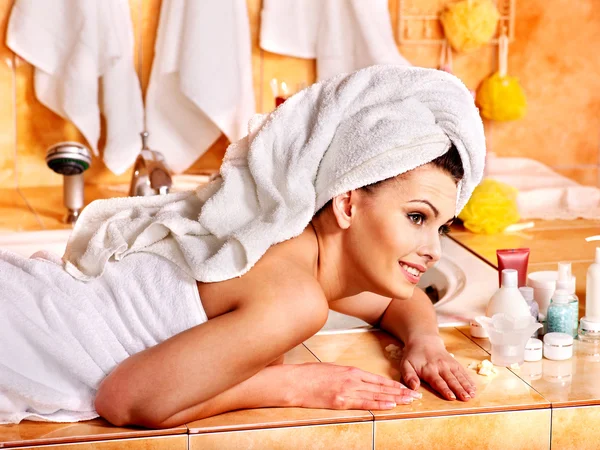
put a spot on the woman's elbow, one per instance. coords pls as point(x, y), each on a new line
point(115, 403)
point(112, 405)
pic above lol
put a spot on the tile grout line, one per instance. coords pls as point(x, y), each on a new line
point(513, 372)
point(12, 63)
point(35, 214)
point(304, 345)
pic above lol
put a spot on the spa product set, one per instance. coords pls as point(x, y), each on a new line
point(522, 301)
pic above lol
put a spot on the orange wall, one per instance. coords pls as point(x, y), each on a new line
point(555, 55)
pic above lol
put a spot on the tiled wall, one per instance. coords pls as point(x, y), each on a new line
point(555, 55)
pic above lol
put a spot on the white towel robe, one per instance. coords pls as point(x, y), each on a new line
point(201, 80)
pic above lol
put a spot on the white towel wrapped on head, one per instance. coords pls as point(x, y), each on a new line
point(335, 136)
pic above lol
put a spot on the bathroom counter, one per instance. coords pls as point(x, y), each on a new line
point(549, 241)
point(508, 397)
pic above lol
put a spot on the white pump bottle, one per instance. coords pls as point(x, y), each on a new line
point(508, 299)
point(592, 290)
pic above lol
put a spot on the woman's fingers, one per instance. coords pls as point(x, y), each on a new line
point(435, 380)
point(454, 384)
point(376, 383)
point(369, 377)
point(409, 375)
point(465, 381)
point(367, 400)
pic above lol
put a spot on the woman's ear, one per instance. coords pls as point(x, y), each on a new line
point(343, 209)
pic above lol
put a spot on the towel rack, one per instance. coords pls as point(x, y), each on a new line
point(419, 20)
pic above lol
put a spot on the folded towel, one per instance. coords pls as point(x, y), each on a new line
point(343, 35)
point(335, 136)
point(72, 44)
point(201, 80)
point(543, 193)
point(60, 337)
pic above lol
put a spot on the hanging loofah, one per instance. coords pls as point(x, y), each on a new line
point(469, 24)
point(501, 97)
point(491, 208)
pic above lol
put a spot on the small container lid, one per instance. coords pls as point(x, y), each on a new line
point(477, 331)
point(527, 293)
point(533, 350)
point(560, 296)
point(589, 326)
point(558, 339)
point(541, 317)
point(510, 278)
point(533, 344)
point(545, 279)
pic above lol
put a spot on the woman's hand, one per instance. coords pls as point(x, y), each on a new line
point(426, 358)
point(324, 385)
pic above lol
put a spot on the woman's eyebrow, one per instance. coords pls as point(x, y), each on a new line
point(433, 208)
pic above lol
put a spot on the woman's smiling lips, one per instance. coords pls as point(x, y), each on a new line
point(412, 272)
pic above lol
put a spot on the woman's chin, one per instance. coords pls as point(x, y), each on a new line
point(403, 291)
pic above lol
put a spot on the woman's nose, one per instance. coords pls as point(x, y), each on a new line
point(432, 249)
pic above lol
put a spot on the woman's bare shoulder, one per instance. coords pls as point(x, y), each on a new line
point(286, 270)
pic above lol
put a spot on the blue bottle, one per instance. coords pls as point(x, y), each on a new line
point(560, 313)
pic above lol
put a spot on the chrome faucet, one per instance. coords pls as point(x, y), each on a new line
point(70, 159)
point(150, 173)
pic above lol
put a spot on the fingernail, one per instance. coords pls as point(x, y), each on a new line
point(472, 393)
point(389, 405)
point(467, 396)
point(452, 396)
point(417, 394)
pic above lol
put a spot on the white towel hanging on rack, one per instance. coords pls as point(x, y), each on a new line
point(343, 35)
point(83, 52)
point(201, 80)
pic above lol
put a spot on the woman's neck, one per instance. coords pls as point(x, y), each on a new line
point(330, 266)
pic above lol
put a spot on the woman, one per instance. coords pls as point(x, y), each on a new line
point(385, 156)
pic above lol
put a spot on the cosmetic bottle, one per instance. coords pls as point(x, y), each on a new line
point(560, 313)
point(508, 299)
point(567, 282)
point(513, 258)
point(592, 290)
point(534, 309)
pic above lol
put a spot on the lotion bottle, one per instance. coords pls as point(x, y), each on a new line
point(508, 299)
point(592, 290)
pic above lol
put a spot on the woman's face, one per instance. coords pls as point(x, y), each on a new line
point(395, 230)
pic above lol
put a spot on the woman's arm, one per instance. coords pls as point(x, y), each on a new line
point(310, 385)
point(414, 322)
point(279, 308)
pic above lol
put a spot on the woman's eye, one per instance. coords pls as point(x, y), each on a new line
point(444, 230)
point(416, 218)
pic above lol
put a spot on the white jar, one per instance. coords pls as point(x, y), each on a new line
point(533, 350)
point(544, 285)
point(477, 331)
point(558, 346)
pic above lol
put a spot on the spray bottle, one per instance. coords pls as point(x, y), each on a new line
point(566, 281)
